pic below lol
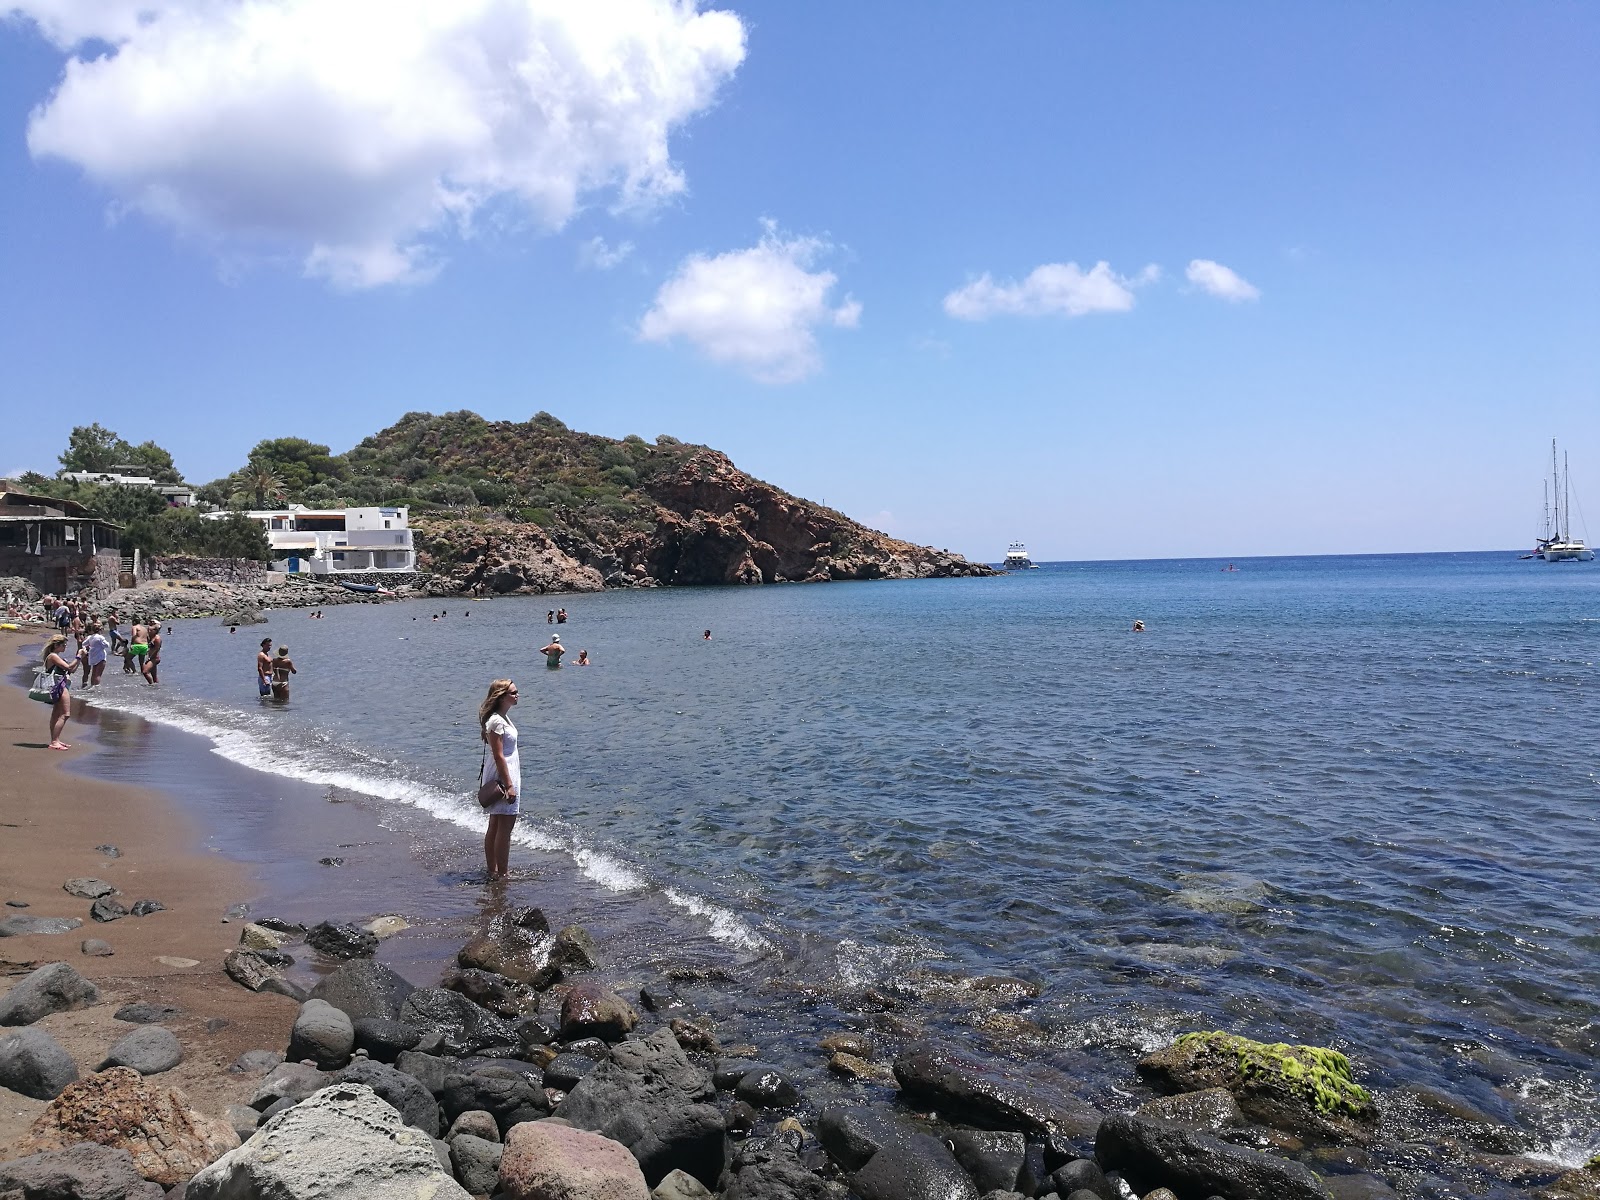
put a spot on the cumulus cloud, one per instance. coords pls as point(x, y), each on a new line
point(756, 309)
point(1219, 281)
point(1064, 288)
point(602, 256)
point(359, 133)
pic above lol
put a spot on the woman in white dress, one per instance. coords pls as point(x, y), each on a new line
point(500, 762)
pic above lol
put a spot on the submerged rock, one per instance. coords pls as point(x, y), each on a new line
point(992, 1094)
point(1151, 1154)
point(342, 941)
point(54, 987)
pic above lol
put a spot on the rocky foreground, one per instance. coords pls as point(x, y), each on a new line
point(525, 1076)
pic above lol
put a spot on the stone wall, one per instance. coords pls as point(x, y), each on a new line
point(61, 571)
point(246, 572)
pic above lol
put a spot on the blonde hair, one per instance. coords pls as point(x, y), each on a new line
point(497, 692)
point(59, 639)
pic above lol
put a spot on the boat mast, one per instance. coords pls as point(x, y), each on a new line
point(1555, 486)
point(1566, 502)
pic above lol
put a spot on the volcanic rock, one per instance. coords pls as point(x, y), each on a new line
point(82, 1172)
point(321, 1033)
point(364, 989)
point(148, 1050)
point(341, 941)
point(547, 1161)
point(992, 1094)
point(1151, 1154)
point(54, 987)
point(34, 1064)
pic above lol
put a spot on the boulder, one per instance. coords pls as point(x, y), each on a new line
point(148, 1050)
point(476, 1122)
point(574, 950)
point(341, 941)
point(851, 1136)
point(250, 970)
point(259, 937)
point(465, 1027)
point(145, 1013)
point(680, 1186)
point(34, 1064)
point(82, 1172)
point(1151, 1154)
point(477, 1163)
point(1083, 1175)
point(143, 908)
point(323, 1034)
point(993, 1158)
point(769, 1169)
point(88, 889)
point(25, 926)
point(1306, 1090)
point(386, 927)
point(401, 1092)
point(384, 1040)
point(291, 1080)
point(591, 1010)
point(650, 1098)
point(919, 1167)
point(364, 989)
point(513, 944)
point(767, 1087)
point(54, 987)
point(253, 1062)
point(106, 909)
point(991, 1094)
point(847, 1043)
point(96, 948)
point(502, 996)
point(1210, 1109)
point(427, 1069)
point(168, 1140)
point(506, 1093)
point(342, 1141)
point(565, 1071)
point(546, 1161)
point(242, 1118)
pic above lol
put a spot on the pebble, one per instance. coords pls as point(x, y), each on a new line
point(16, 904)
point(96, 948)
point(180, 963)
point(109, 851)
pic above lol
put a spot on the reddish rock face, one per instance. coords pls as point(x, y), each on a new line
point(590, 1010)
point(545, 1161)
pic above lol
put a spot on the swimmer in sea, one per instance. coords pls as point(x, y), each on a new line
point(264, 667)
point(583, 658)
point(553, 652)
point(706, 637)
point(1138, 626)
point(282, 668)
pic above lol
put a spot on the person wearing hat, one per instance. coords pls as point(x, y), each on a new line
point(553, 652)
point(61, 669)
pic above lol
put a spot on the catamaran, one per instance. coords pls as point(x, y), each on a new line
point(1558, 544)
point(1017, 559)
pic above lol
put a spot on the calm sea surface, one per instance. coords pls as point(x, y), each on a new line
point(1344, 800)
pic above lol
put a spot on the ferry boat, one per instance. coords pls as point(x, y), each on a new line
point(1017, 559)
point(1558, 544)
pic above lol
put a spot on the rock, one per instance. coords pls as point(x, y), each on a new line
point(679, 1185)
point(566, 1070)
point(149, 1050)
point(1158, 1194)
point(591, 1010)
point(852, 1067)
point(1210, 1109)
point(341, 941)
point(659, 997)
point(88, 889)
point(253, 1062)
point(34, 1064)
point(183, 964)
point(386, 927)
point(532, 1034)
point(242, 1119)
point(693, 1036)
point(287, 1081)
point(769, 1169)
point(331, 861)
point(545, 1161)
point(109, 851)
point(107, 909)
point(466, 1028)
point(342, 1142)
point(364, 989)
point(992, 1095)
point(920, 1167)
point(650, 1098)
point(145, 1013)
point(502, 996)
point(1581, 1184)
point(259, 937)
point(512, 944)
point(477, 1162)
point(385, 1040)
point(1083, 1175)
point(95, 948)
point(574, 950)
point(847, 1043)
point(851, 1136)
point(1306, 1090)
point(281, 1104)
point(1370, 1187)
point(54, 987)
point(427, 1069)
point(992, 1158)
point(279, 925)
point(401, 1092)
point(236, 912)
point(83, 1172)
point(1151, 1154)
point(592, 1047)
point(323, 1034)
point(506, 1093)
point(767, 1087)
point(29, 926)
point(168, 1140)
point(725, 1077)
point(248, 969)
point(478, 1123)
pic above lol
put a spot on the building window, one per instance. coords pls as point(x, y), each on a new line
point(338, 556)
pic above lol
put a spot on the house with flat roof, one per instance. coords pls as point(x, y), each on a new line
point(55, 544)
point(177, 495)
point(331, 541)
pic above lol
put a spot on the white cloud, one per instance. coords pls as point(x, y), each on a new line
point(358, 133)
point(757, 309)
point(1219, 281)
point(600, 255)
point(1064, 288)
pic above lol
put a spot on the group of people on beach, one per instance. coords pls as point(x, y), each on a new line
point(94, 642)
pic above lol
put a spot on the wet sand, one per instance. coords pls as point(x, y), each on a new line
point(51, 821)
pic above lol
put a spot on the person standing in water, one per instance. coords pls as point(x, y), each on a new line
point(151, 669)
point(264, 667)
point(95, 648)
point(282, 668)
point(500, 761)
point(561, 616)
point(553, 652)
point(61, 668)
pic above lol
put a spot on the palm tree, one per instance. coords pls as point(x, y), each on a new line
point(258, 480)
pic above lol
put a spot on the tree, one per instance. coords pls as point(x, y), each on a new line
point(94, 448)
point(156, 461)
point(296, 463)
point(258, 480)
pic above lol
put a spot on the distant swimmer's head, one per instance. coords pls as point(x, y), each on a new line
point(1138, 626)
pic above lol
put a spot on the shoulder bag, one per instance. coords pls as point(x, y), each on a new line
point(43, 689)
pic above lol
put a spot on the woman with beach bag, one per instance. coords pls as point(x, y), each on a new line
point(53, 685)
point(499, 775)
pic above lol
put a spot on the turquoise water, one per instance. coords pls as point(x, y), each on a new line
point(1336, 800)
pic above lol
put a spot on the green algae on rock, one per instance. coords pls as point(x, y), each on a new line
point(1302, 1089)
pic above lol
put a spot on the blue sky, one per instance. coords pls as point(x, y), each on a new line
point(1352, 250)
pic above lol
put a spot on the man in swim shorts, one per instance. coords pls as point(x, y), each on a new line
point(138, 646)
point(553, 652)
point(264, 667)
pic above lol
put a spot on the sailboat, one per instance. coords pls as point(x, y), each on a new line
point(1558, 544)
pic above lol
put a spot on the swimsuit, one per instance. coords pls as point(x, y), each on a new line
point(138, 649)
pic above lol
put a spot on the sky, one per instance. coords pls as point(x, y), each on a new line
point(1117, 280)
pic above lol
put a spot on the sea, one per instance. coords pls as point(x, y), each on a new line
point(1348, 801)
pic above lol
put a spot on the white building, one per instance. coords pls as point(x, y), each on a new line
point(177, 495)
point(328, 541)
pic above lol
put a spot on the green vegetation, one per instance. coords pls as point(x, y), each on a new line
point(1320, 1076)
point(95, 448)
point(151, 527)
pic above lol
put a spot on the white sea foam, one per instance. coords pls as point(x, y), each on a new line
point(232, 737)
